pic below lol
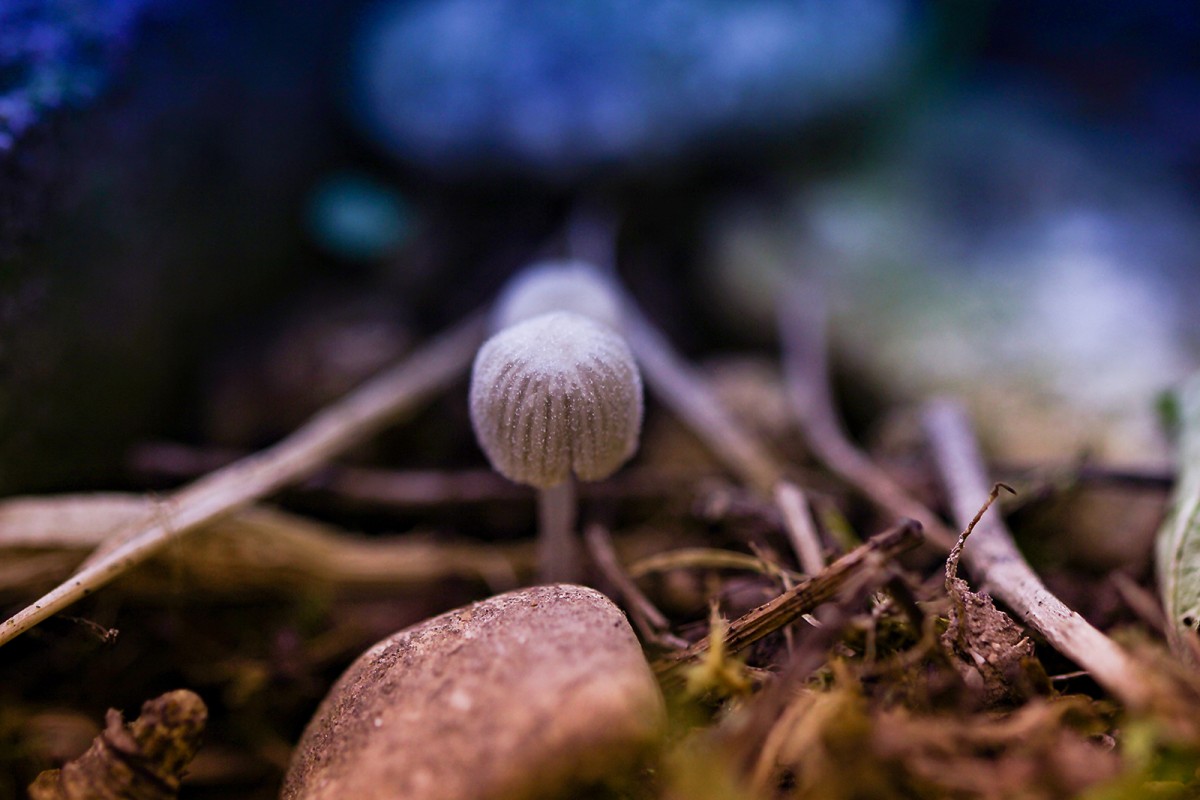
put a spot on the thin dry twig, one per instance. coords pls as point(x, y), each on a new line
point(701, 558)
point(339, 426)
point(802, 599)
point(997, 564)
point(650, 622)
point(798, 523)
point(749, 740)
point(956, 551)
point(802, 323)
point(402, 489)
point(1140, 600)
point(257, 548)
point(689, 396)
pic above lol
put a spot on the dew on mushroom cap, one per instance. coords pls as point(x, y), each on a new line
point(555, 395)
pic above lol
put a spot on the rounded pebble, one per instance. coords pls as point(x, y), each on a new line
point(524, 695)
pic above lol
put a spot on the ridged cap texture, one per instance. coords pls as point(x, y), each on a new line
point(555, 395)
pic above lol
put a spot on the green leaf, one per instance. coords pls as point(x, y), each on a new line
point(1177, 549)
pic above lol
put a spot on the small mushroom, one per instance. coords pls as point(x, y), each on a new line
point(554, 397)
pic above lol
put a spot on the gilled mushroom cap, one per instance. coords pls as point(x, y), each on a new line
point(558, 286)
point(555, 395)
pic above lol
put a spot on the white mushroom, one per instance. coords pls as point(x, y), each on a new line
point(554, 397)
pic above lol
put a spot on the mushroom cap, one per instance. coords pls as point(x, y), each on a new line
point(555, 395)
point(558, 286)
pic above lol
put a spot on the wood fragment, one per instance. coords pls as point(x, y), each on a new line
point(402, 489)
point(142, 760)
point(801, 599)
point(991, 652)
point(255, 549)
point(701, 558)
point(651, 623)
point(689, 396)
point(998, 566)
point(802, 323)
point(751, 742)
point(365, 411)
point(798, 524)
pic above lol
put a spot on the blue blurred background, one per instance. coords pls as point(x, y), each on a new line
point(998, 196)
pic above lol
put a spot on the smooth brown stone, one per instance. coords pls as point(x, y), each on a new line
point(524, 695)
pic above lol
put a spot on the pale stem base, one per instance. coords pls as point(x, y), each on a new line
point(558, 552)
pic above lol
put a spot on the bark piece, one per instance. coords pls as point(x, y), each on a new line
point(142, 760)
point(992, 653)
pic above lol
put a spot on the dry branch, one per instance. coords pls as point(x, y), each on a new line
point(689, 396)
point(802, 322)
point(994, 560)
point(402, 489)
point(799, 600)
point(650, 622)
point(257, 548)
point(798, 524)
point(339, 426)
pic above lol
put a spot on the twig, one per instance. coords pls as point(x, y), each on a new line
point(802, 599)
point(1141, 601)
point(402, 489)
point(352, 419)
point(802, 322)
point(798, 523)
point(701, 558)
point(688, 395)
point(256, 548)
point(751, 738)
point(956, 551)
point(997, 564)
point(646, 617)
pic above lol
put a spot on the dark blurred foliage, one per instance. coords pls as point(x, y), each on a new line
point(1128, 66)
point(57, 55)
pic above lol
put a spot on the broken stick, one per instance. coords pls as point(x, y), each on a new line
point(998, 565)
point(339, 426)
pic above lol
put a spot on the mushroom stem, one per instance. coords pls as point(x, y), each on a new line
point(557, 551)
